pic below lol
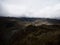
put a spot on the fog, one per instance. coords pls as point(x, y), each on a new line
point(30, 8)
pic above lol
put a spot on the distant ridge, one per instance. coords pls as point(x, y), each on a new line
point(31, 19)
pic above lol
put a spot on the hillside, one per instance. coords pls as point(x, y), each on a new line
point(29, 31)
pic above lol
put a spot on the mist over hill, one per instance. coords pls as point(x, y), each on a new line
point(29, 22)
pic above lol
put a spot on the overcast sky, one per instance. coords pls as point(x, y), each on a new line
point(30, 8)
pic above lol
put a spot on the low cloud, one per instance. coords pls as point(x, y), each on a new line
point(31, 8)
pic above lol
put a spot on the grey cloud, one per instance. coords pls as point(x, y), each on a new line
point(31, 8)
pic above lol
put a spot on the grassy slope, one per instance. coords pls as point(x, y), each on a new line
point(16, 33)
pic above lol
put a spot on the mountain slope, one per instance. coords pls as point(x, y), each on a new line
point(29, 31)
